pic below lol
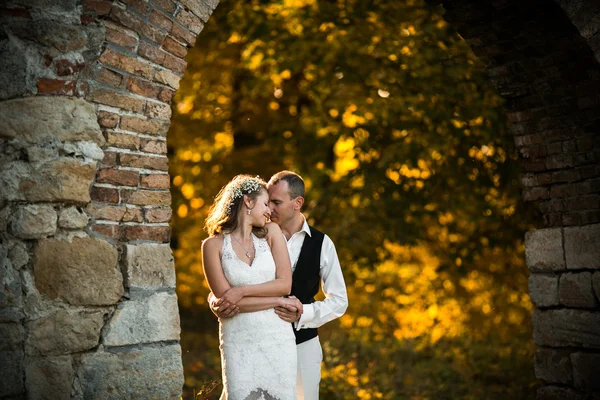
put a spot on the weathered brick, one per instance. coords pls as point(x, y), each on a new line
point(160, 234)
point(66, 67)
point(566, 328)
point(158, 110)
point(553, 205)
point(571, 219)
point(569, 146)
point(175, 64)
point(174, 47)
point(553, 220)
point(562, 190)
point(141, 197)
point(115, 213)
point(56, 86)
point(199, 8)
point(161, 20)
point(118, 177)
point(582, 247)
point(559, 161)
point(590, 217)
point(155, 181)
point(212, 3)
point(100, 211)
point(143, 88)
point(535, 193)
point(123, 37)
point(554, 148)
point(133, 214)
point(575, 290)
point(543, 290)
point(553, 366)
point(168, 78)
point(123, 140)
point(533, 152)
point(110, 159)
point(146, 162)
point(182, 34)
point(192, 22)
point(585, 371)
point(140, 6)
point(158, 214)
point(152, 53)
point(141, 125)
point(87, 19)
point(565, 176)
point(165, 95)
point(591, 202)
point(115, 99)
point(107, 119)
point(106, 231)
point(154, 146)
point(589, 186)
point(127, 63)
point(536, 165)
point(109, 77)
point(126, 18)
point(100, 7)
point(544, 249)
point(104, 195)
point(167, 5)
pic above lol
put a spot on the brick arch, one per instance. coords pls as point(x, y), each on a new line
point(543, 58)
point(89, 306)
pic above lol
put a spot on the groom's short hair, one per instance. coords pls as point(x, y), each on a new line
point(295, 182)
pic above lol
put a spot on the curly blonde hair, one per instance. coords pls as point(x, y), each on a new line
point(223, 215)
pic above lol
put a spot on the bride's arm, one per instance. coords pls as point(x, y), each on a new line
point(281, 285)
point(211, 263)
point(252, 304)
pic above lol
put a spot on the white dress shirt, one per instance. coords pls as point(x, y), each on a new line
point(332, 282)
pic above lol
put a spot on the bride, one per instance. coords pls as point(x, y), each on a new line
point(246, 263)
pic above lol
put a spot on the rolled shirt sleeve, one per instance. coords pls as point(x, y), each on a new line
point(336, 297)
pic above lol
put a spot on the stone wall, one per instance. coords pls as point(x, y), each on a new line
point(543, 58)
point(87, 304)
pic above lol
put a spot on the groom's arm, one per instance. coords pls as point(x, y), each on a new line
point(336, 298)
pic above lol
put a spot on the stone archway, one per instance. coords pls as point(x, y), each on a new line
point(88, 303)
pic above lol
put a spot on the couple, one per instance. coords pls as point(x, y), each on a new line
point(251, 266)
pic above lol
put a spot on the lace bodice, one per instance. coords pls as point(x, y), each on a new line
point(239, 273)
point(258, 349)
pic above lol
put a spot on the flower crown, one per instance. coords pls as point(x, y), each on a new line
point(239, 189)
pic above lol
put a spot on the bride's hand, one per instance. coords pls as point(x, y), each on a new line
point(233, 295)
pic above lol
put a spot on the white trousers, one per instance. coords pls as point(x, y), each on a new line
point(310, 356)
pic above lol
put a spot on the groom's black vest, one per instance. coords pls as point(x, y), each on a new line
point(306, 277)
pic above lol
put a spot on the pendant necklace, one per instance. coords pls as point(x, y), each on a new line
point(244, 247)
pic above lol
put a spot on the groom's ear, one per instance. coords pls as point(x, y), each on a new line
point(298, 203)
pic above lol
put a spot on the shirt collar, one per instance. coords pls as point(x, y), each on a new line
point(305, 227)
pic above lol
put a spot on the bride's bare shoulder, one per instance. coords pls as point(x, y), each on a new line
point(214, 242)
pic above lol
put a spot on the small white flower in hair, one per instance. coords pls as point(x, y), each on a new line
point(247, 186)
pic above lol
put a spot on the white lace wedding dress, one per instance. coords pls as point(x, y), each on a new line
point(258, 349)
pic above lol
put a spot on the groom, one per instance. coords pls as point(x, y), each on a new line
point(314, 260)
